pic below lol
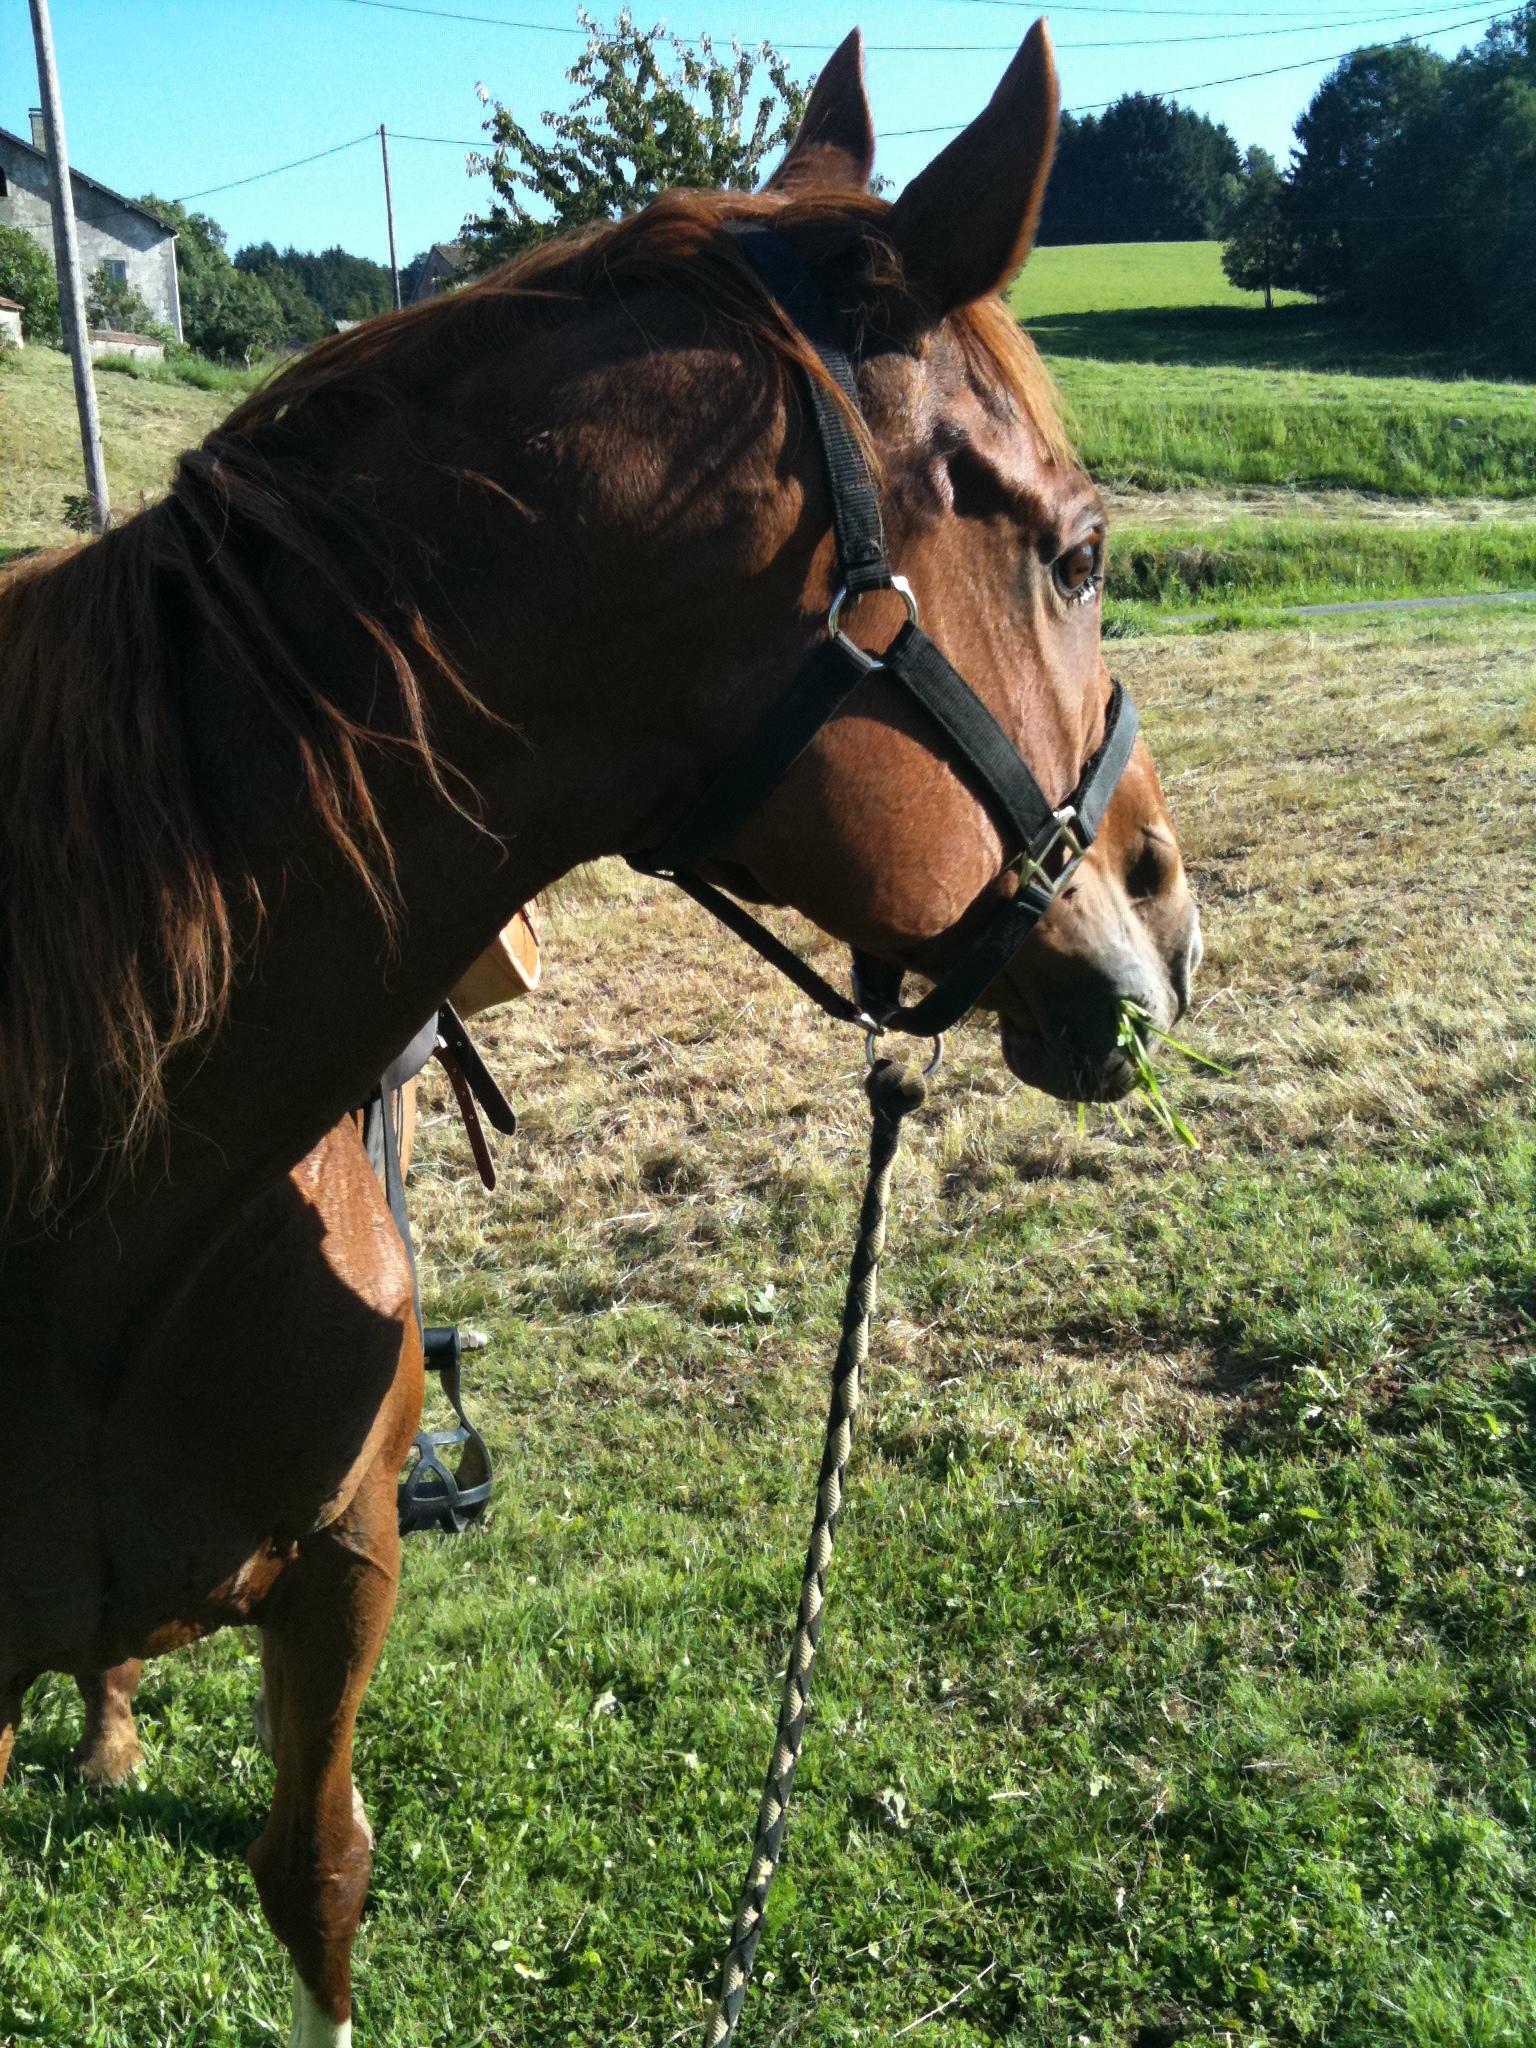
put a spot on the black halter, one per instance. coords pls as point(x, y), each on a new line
point(1048, 840)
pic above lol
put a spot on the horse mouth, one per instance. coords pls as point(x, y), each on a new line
point(1070, 1072)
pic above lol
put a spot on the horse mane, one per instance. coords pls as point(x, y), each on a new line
point(123, 905)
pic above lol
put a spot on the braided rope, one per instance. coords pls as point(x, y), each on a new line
point(893, 1092)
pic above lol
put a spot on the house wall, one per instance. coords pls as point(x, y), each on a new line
point(10, 328)
point(105, 229)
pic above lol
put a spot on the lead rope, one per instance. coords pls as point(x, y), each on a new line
point(893, 1093)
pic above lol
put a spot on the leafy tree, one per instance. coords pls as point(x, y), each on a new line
point(112, 302)
point(337, 285)
point(1257, 251)
point(303, 320)
point(649, 113)
point(1145, 170)
point(1346, 138)
point(1413, 196)
point(26, 275)
point(225, 313)
point(411, 273)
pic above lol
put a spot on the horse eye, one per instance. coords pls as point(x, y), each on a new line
point(1078, 572)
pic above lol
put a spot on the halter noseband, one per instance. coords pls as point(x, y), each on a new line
point(1039, 832)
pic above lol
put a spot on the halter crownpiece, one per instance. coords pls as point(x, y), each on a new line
point(1047, 840)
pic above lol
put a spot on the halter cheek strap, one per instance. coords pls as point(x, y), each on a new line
point(1047, 841)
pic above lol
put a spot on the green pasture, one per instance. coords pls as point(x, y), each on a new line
point(1169, 302)
point(1180, 1681)
point(1110, 277)
point(1162, 427)
point(1310, 560)
point(147, 418)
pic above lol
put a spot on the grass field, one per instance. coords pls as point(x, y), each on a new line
point(1165, 428)
point(1311, 560)
point(1111, 277)
point(145, 424)
point(1181, 1670)
point(1168, 302)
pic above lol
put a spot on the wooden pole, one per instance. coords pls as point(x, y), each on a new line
point(67, 260)
point(389, 210)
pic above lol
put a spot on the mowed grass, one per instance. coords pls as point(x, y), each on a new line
point(1106, 277)
point(1180, 1681)
point(145, 424)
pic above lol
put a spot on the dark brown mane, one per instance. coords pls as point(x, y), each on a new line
point(121, 910)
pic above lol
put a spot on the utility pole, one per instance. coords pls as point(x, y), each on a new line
point(389, 209)
point(67, 260)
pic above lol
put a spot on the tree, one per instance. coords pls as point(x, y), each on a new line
point(332, 283)
point(1413, 195)
point(1346, 138)
point(1257, 251)
point(224, 312)
point(112, 302)
point(303, 320)
point(1145, 170)
point(26, 275)
point(635, 128)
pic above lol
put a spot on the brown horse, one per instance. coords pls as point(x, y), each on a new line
point(470, 595)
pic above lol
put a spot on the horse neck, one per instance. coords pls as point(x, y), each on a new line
point(575, 753)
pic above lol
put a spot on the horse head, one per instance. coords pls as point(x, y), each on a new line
point(878, 832)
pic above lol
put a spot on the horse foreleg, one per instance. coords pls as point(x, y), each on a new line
point(13, 1690)
point(320, 1641)
point(109, 1752)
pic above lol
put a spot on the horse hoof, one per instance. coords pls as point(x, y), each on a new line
point(109, 1763)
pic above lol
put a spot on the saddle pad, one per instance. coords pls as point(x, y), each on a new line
point(508, 968)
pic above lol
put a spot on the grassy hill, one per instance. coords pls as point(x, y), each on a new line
point(145, 425)
point(1168, 302)
point(1108, 277)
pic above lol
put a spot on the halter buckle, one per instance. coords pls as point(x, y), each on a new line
point(1031, 866)
point(861, 656)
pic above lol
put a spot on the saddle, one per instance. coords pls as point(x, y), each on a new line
point(434, 1493)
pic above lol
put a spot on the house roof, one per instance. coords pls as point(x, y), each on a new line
point(11, 306)
point(130, 205)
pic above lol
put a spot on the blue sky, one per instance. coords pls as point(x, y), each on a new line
point(174, 96)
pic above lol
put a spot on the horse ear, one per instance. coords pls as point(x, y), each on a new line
point(834, 146)
point(965, 224)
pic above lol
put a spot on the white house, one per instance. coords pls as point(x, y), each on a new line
point(134, 244)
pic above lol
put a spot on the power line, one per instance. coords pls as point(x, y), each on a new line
point(256, 176)
point(893, 134)
point(1205, 84)
point(1033, 7)
point(934, 49)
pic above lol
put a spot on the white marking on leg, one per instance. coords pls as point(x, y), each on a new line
point(311, 2027)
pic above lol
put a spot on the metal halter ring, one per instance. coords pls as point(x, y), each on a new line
point(871, 1043)
point(860, 656)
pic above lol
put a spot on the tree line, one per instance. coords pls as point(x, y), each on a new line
point(233, 308)
point(1411, 195)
